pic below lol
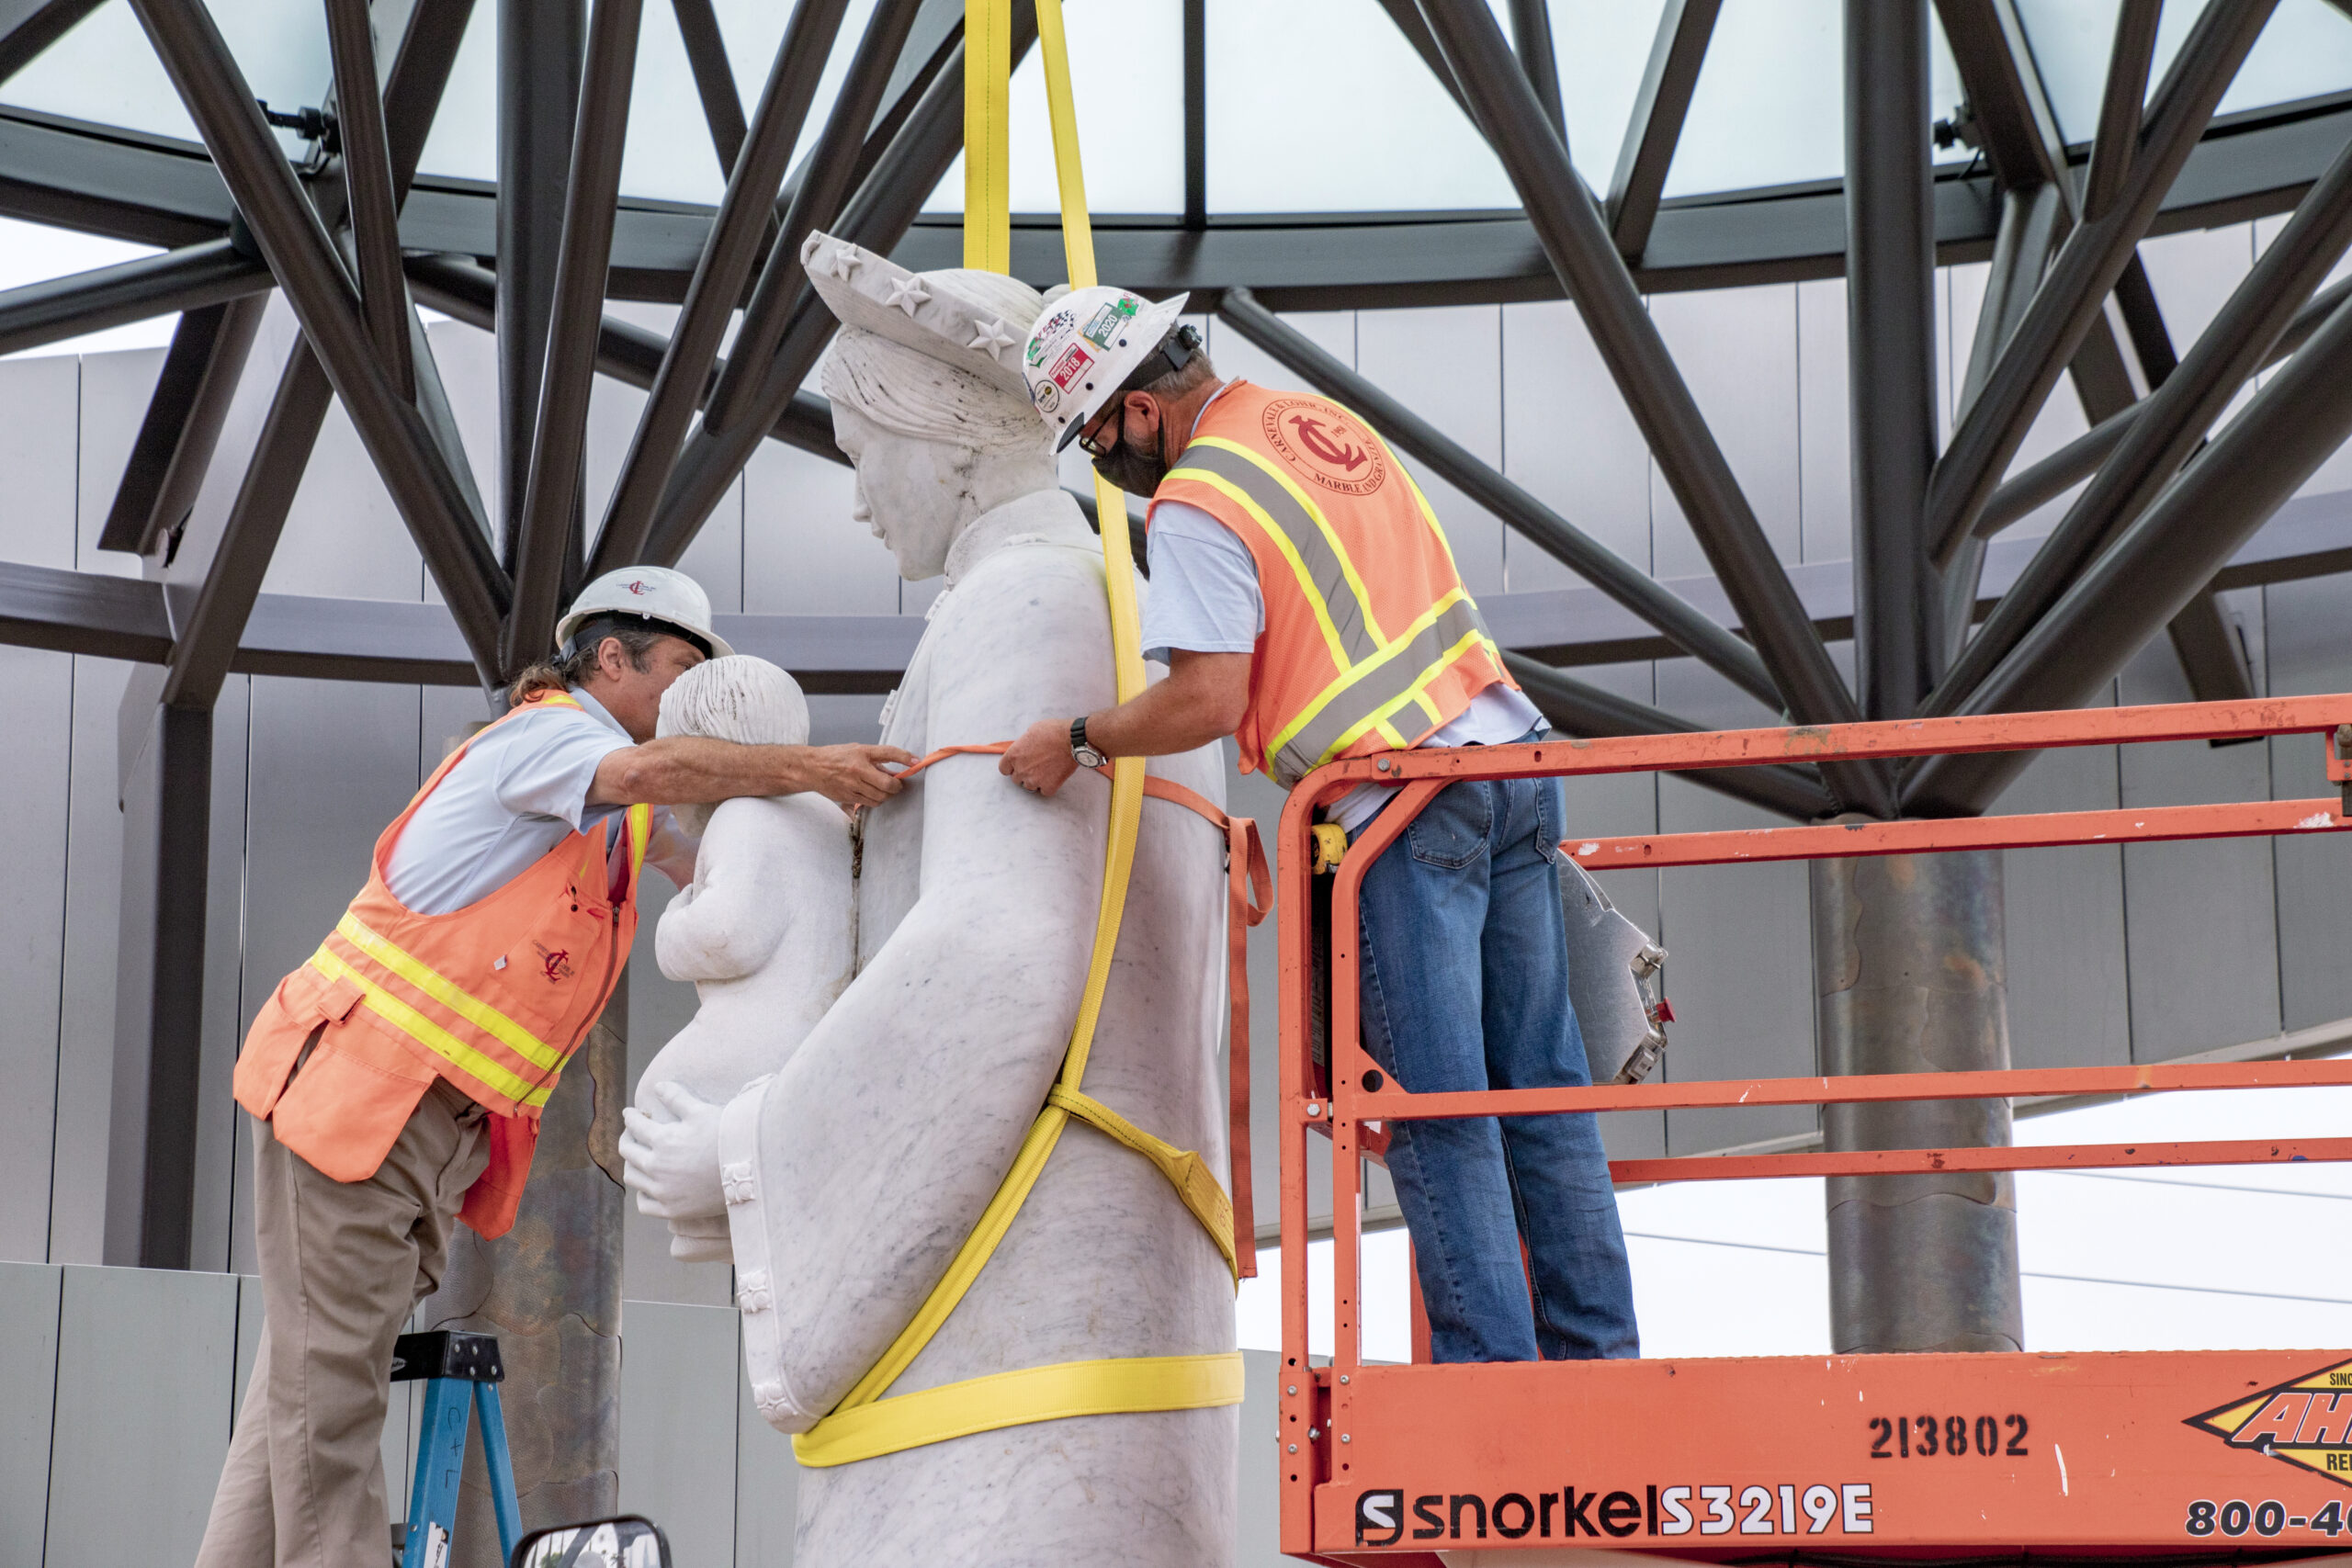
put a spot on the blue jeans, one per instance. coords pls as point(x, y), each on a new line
point(1465, 986)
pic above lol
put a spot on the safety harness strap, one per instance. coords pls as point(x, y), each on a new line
point(1185, 1170)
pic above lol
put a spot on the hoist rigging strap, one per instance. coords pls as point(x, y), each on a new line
point(864, 1425)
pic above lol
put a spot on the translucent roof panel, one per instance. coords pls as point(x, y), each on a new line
point(1320, 105)
point(1127, 87)
point(1600, 49)
point(2305, 49)
point(104, 70)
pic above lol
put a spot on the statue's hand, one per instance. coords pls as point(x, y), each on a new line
point(672, 1163)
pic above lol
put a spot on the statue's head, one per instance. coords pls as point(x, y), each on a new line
point(738, 698)
point(928, 399)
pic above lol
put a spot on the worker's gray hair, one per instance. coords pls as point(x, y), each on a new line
point(565, 671)
point(1183, 379)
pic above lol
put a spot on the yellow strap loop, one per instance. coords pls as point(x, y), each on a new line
point(1185, 1170)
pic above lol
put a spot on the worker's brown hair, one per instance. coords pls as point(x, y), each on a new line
point(566, 671)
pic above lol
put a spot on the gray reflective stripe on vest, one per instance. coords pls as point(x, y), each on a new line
point(1375, 691)
point(1307, 539)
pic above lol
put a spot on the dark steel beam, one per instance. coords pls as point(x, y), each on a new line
point(307, 268)
point(2143, 323)
point(167, 835)
point(1890, 352)
point(191, 278)
point(2069, 300)
point(2029, 488)
point(540, 47)
point(2169, 426)
point(2164, 559)
point(1197, 114)
point(182, 425)
point(367, 186)
point(785, 328)
point(1682, 624)
point(2118, 137)
point(1577, 707)
point(420, 75)
point(1530, 39)
point(28, 27)
point(722, 105)
point(728, 256)
point(1660, 106)
point(543, 548)
point(1594, 275)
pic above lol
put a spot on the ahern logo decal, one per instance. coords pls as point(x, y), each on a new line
point(2307, 1422)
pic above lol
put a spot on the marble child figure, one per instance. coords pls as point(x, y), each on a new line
point(763, 930)
point(854, 1176)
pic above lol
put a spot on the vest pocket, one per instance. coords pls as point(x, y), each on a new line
point(344, 1110)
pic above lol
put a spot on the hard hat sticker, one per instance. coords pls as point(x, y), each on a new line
point(1041, 338)
point(2307, 1422)
point(1110, 320)
point(1070, 366)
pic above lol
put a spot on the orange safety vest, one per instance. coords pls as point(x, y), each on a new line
point(1371, 644)
point(494, 998)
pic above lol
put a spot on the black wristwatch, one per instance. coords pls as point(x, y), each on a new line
point(1088, 757)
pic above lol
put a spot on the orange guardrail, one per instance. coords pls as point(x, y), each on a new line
point(2172, 1454)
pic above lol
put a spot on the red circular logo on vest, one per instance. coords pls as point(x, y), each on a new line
point(1325, 444)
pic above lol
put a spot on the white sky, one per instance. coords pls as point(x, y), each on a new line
point(2180, 1257)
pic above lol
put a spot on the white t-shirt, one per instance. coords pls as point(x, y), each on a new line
point(1205, 598)
point(521, 789)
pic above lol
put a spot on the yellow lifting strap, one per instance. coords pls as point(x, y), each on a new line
point(865, 1425)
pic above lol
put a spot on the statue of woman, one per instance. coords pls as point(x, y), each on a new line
point(854, 1175)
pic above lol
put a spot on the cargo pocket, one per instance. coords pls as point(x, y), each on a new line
point(345, 1109)
point(305, 1002)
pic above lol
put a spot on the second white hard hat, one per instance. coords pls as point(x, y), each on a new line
point(1084, 346)
point(649, 592)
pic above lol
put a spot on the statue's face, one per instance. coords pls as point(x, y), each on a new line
point(914, 494)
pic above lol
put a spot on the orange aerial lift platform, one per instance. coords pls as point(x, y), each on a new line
point(2190, 1456)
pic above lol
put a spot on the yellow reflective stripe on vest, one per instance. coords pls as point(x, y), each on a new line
point(430, 1036)
point(473, 1008)
point(1186, 1171)
point(1122, 1385)
point(1366, 696)
point(1296, 528)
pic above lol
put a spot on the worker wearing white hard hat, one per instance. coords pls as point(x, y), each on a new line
point(1306, 604)
point(396, 1078)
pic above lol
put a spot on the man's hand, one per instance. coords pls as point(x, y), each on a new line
point(674, 1165)
point(853, 774)
point(1040, 761)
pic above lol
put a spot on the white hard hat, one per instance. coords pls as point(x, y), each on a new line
point(655, 594)
point(1086, 347)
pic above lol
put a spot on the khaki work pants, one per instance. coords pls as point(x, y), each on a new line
point(341, 1264)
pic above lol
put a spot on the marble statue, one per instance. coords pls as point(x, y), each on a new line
point(764, 930)
point(854, 1174)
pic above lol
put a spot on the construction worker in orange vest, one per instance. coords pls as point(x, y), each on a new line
point(396, 1079)
point(1306, 601)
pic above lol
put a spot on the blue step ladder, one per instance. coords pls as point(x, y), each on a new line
point(455, 1368)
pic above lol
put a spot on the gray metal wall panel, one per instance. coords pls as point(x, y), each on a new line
point(1568, 438)
point(767, 1486)
point(2061, 418)
point(1825, 482)
point(1257, 1516)
point(333, 762)
point(2069, 997)
point(468, 358)
point(1255, 795)
point(37, 708)
point(114, 389)
point(1737, 350)
point(2201, 916)
point(2307, 655)
point(1740, 937)
point(93, 935)
point(40, 417)
point(134, 1404)
point(802, 552)
point(343, 535)
point(217, 1173)
point(1446, 364)
point(29, 1307)
point(2193, 274)
point(1238, 358)
point(677, 1424)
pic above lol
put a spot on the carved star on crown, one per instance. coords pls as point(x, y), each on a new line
point(991, 340)
point(844, 262)
point(908, 293)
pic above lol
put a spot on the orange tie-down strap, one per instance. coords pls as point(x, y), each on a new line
point(1245, 872)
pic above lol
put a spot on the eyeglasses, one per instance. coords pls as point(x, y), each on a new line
point(1101, 438)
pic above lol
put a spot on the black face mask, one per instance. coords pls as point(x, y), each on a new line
point(1138, 473)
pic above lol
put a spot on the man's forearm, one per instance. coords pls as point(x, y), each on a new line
point(1162, 721)
point(695, 770)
